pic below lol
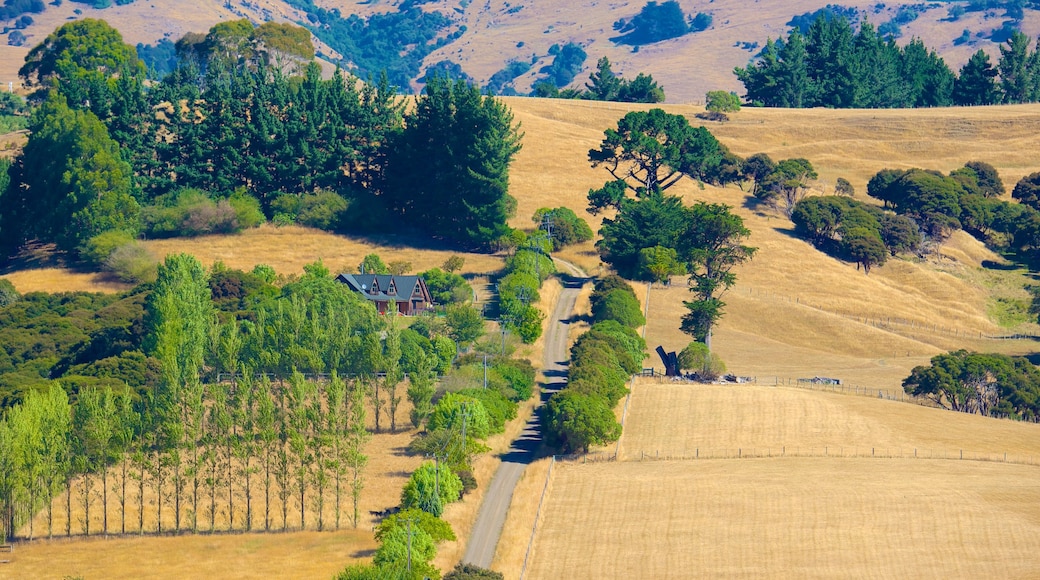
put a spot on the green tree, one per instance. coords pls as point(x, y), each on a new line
point(373, 264)
point(453, 263)
point(864, 247)
point(421, 389)
point(577, 420)
point(448, 171)
point(75, 182)
point(659, 264)
point(721, 102)
point(430, 488)
point(354, 456)
point(603, 84)
point(977, 82)
point(1015, 74)
point(651, 151)
point(787, 184)
point(83, 60)
point(465, 324)
point(714, 246)
point(696, 357)
point(1027, 191)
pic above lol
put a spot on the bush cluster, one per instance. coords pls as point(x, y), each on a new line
point(601, 361)
point(525, 271)
point(567, 227)
point(193, 212)
point(614, 299)
point(855, 231)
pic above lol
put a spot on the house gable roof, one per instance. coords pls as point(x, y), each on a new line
point(383, 287)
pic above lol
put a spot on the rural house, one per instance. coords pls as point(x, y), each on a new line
point(410, 292)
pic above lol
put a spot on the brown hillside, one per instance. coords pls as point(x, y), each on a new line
point(498, 31)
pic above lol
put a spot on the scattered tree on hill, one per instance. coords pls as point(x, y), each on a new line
point(786, 184)
point(986, 384)
point(714, 243)
point(650, 152)
point(722, 102)
point(1027, 191)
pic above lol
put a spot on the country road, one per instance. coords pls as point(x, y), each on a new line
point(480, 550)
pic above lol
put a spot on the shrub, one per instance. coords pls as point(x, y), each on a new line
point(448, 413)
point(446, 287)
point(97, 249)
point(722, 102)
point(132, 263)
point(705, 364)
point(322, 209)
point(430, 488)
point(499, 408)
point(567, 227)
point(247, 210)
point(520, 374)
point(8, 294)
point(470, 572)
point(621, 306)
point(190, 212)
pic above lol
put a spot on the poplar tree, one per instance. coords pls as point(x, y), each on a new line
point(322, 433)
point(55, 441)
point(392, 366)
point(355, 458)
point(421, 388)
point(245, 444)
point(125, 443)
point(267, 436)
point(338, 421)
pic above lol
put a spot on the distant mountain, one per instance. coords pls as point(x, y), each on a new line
point(689, 46)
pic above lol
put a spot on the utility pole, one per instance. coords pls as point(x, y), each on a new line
point(485, 370)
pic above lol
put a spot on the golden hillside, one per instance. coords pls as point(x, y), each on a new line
point(498, 31)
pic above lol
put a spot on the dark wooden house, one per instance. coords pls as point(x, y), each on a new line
point(409, 292)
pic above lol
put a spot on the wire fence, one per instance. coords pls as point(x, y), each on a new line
point(838, 452)
point(537, 517)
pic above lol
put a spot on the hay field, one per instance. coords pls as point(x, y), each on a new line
point(675, 419)
point(303, 555)
point(790, 518)
point(818, 517)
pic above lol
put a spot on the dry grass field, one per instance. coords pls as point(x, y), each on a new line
point(796, 312)
point(788, 516)
point(675, 419)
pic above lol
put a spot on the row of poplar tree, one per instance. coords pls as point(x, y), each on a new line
point(183, 436)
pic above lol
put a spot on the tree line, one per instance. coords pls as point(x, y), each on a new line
point(995, 385)
point(601, 362)
point(245, 129)
point(831, 65)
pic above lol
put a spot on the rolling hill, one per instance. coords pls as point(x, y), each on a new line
point(499, 31)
